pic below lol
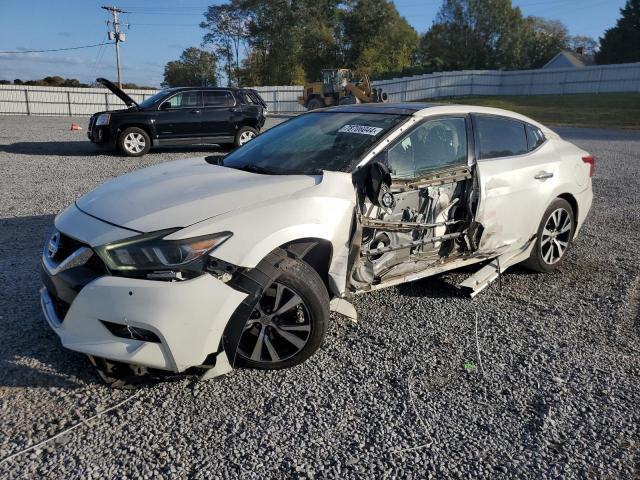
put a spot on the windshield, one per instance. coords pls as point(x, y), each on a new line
point(312, 142)
point(153, 99)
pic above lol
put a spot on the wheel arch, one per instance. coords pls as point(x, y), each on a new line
point(317, 253)
point(251, 122)
point(571, 200)
point(123, 126)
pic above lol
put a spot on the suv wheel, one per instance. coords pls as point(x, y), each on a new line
point(134, 142)
point(244, 135)
point(554, 237)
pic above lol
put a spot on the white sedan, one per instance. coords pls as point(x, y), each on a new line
point(206, 264)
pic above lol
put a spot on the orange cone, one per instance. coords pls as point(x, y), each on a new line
point(75, 126)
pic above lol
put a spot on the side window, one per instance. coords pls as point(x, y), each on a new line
point(246, 98)
point(218, 98)
point(432, 145)
point(185, 100)
point(500, 137)
point(535, 137)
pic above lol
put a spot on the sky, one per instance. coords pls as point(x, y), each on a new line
point(160, 30)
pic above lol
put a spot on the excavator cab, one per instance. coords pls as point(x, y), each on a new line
point(334, 80)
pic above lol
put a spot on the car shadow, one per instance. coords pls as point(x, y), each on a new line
point(446, 285)
point(87, 149)
point(66, 149)
point(31, 353)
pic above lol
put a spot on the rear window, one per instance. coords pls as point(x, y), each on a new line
point(221, 98)
point(500, 137)
point(535, 137)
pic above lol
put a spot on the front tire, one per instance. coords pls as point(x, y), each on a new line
point(134, 142)
point(289, 322)
point(554, 237)
point(314, 104)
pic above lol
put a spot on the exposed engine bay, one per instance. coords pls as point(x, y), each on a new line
point(415, 225)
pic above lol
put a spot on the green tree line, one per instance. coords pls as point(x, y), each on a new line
point(287, 42)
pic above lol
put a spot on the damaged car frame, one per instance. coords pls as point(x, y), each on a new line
point(213, 263)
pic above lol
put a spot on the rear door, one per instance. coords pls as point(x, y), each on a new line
point(517, 175)
point(218, 113)
point(181, 117)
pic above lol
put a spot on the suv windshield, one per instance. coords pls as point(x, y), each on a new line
point(312, 142)
point(148, 102)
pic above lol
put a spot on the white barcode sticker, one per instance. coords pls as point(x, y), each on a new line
point(360, 129)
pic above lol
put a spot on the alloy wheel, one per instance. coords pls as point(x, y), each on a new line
point(246, 136)
point(556, 236)
point(134, 142)
point(278, 328)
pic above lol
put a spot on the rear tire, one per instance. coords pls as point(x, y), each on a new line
point(554, 237)
point(244, 135)
point(134, 142)
point(289, 321)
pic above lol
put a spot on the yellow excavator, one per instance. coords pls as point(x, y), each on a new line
point(339, 88)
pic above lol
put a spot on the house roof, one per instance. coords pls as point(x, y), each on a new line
point(575, 59)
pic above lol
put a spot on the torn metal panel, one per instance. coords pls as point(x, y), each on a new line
point(344, 308)
point(484, 277)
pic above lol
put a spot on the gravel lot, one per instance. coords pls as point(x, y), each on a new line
point(557, 396)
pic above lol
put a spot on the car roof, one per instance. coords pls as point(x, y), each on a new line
point(176, 89)
point(391, 108)
point(424, 109)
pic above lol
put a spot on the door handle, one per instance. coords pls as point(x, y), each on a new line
point(195, 111)
point(543, 175)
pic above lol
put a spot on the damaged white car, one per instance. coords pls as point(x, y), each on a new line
point(210, 263)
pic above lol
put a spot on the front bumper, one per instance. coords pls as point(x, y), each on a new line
point(99, 134)
point(187, 317)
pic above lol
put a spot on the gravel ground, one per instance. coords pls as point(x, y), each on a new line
point(557, 394)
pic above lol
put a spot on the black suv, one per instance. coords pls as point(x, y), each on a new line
point(179, 116)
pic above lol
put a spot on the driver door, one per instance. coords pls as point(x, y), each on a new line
point(417, 163)
point(181, 119)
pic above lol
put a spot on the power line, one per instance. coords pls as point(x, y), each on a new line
point(60, 49)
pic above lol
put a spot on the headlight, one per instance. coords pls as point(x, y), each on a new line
point(103, 119)
point(152, 252)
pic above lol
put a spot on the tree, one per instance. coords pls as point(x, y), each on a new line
point(377, 39)
point(485, 34)
point(621, 44)
point(546, 39)
point(227, 30)
point(273, 41)
point(195, 68)
point(583, 43)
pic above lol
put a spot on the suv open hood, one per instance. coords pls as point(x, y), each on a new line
point(129, 102)
point(184, 192)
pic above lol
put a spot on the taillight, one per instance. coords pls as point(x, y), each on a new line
point(592, 164)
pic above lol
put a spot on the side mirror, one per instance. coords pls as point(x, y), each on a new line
point(165, 106)
point(375, 181)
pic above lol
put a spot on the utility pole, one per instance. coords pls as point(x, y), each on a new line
point(116, 35)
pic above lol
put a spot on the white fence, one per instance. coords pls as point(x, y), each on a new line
point(26, 100)
point(597, 79)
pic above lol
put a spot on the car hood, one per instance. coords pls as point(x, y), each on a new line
point(128, 101)
point(184, 192)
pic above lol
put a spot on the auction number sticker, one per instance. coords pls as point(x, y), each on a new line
point(360, 129)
